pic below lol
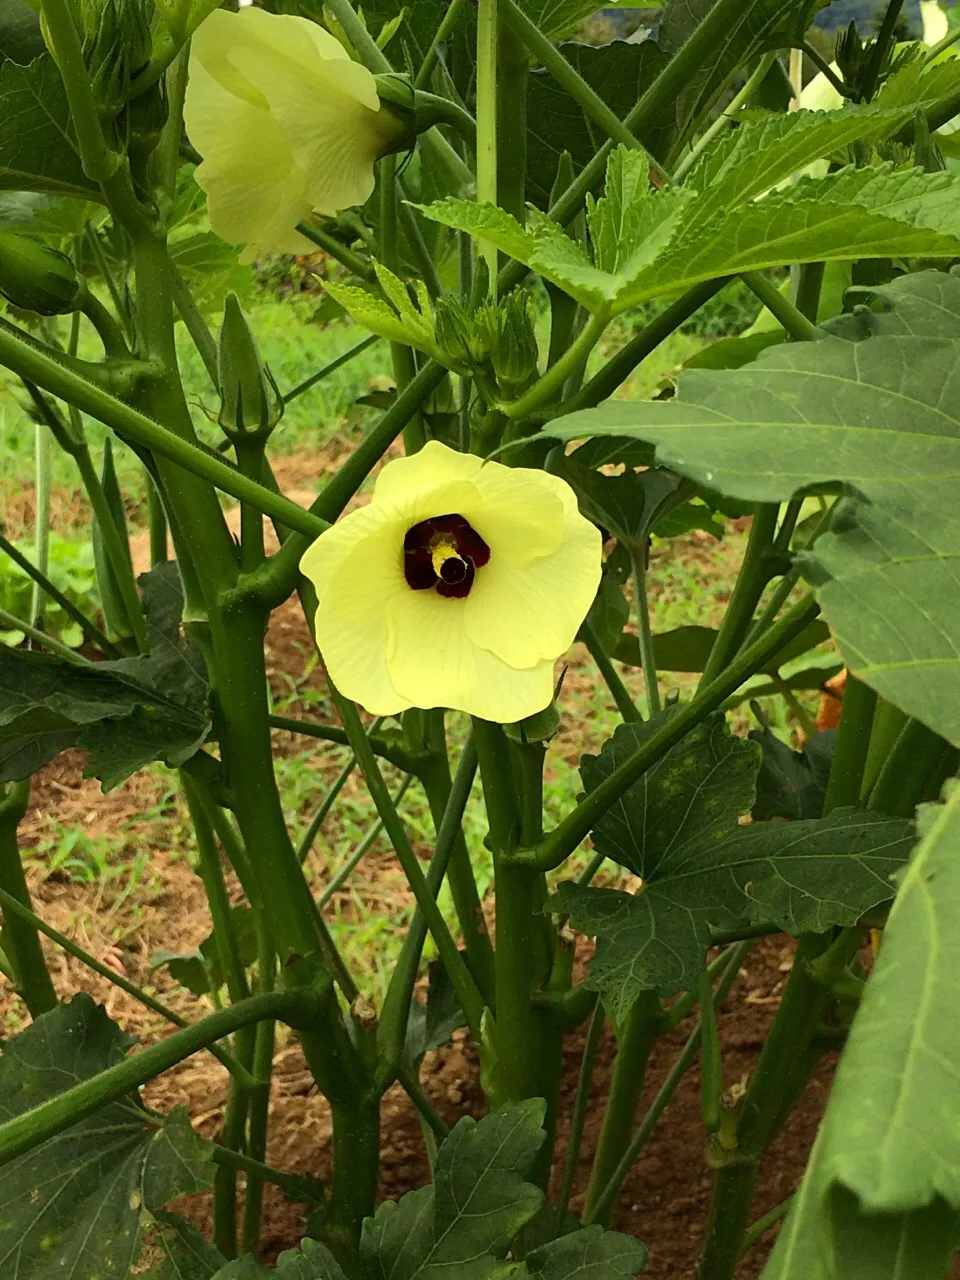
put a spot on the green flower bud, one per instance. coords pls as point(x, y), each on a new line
point(510, 337)
point(37, 278)
point(539, 728)
point(116, 48)
point(452, 330)
point(250, 401)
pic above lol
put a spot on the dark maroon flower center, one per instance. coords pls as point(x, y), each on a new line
point(443, 552)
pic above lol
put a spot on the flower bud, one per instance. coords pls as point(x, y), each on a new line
point(250, 401)
point(116, 48)
point(512, 342)
point(452, 330)
point(538, 728)
point(37, 278)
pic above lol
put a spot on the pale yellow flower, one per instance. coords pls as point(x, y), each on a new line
point(286, 122)
point(458, 586)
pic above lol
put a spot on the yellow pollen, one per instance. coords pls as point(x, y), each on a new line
point(442, 551)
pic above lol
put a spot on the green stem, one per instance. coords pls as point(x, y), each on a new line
point(799, 328)
point(881, 48)
point(12, 904)
point(469, 996)
point(549, 388)
point(31, 363)
point(852, 745)
point(513, 73)
point(616, 371)
point(115, 544)
point(332, 367)
point(11, 623)
point(487, 140)
point(564, 838)
point(363, 848)
point(41, 522)
point(326, 804)
point(783, 1068)
point(762, 1225)
point(618, 690)
point(26, 1131)
point(99, 162)
point(726, 116)
point(578, 1120)
point(648, 660)
point(438, 785)
point(157, 518)
point(750, 586)
point(291, 1184)
point(259, 1113)
point(446, 28)
point(21, 941)
point(389, 751)
point(733, 959)
point(642, 1025)
point(196, 326)
point(809, 287)
point(905, 778)
point(279, 576)
point(396, 1007)
point(89, 628)
point(567, 77)
point(336, 249)
point(888, 724)
point(711, 1064)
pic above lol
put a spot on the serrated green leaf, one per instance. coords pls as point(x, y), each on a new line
point(36, 151)
point(792, 784)
point(72, 1206)
point(763, 152)
point(125, 713)
point(477, 1203)
point(880, 415)
point(698, 790)
point(395, 318)
point(886, 1165)
point(175, 1249)
point(312, 1261)
point(802, 877)
point(590, 1254)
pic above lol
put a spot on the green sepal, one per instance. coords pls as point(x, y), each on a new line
point(35, 277)
point(250, 401)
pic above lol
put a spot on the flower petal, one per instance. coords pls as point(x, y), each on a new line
point(357, 569)
point(529, 613)
point(434, 464)
point(433, 663)
point(522, 512)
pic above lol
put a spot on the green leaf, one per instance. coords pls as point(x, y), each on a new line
point(876, 410)
point(36, 150)
point(125, 713)
point(395, 317)
point(72, 1206)
point(20, 37)
point(886, 1165)
point(801, 877)
point(176, 1250)
point(558, 18)
point(203, 971)
point(626, 505)
point(589, 1254)
point(478, 1202)
point(610, 613)
point(698, 790)
point(792, 784)
point(688, 648)
point(312, 1261)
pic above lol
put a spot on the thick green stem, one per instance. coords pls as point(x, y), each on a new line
point(881, 47)
point(852, 745)
point(636, 1039)
point(750, 586)
point(26, 1131)
point(21, 941)
point(729, 966)
point(487, 131)
point(196, 325)
point(99, 162)
point(561, 842)
point(913, 771)
point(784, 1066)
point(550, 387)
point(259, 1112)
point(799, 328)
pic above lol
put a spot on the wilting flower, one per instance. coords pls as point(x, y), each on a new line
point(458, 586)
point(286, 122)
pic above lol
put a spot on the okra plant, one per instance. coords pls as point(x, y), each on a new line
point(492, 195)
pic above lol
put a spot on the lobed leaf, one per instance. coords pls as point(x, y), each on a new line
point(874, 408)
point(72, 1206)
